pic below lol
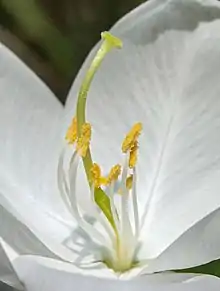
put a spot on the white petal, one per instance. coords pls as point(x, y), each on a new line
point(45, 236)
point(46, 275)
point(20, 238)
point(198, 245)
point(30, 118)
point(36, 230)
point(7, 272)
point(167, 76)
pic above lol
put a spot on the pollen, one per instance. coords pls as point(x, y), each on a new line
point(71, 135)
point(131, 137)
point(113, 174)
point(133, 155)
point(97, 177)
point(83, 141)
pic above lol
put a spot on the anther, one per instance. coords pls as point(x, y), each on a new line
point(71, 135)
point(96, 175)
point(113, 174)
point(83, 141)
point(133, 155)
point(129, 182)
point(131, 137)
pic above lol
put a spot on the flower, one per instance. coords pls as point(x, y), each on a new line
point(155, 102)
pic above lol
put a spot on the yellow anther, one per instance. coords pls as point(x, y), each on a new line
point(113, 174)
point(131, 137)
point(71, 134)
point(83, 141)
point(96, 175)
point(133, 155)
point(129, 182)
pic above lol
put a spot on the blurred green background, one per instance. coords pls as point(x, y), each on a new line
point(54, 36)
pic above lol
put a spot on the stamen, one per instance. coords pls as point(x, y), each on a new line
point(113, 208)
point(129, 183)
point(96, 175)
point(88, 228)
point(131, 137)
point(71, 134)
point(83, 141)
point(62, 182)
point(133, 155)
point(126, 229)
point(135, 205)
point(113, 174)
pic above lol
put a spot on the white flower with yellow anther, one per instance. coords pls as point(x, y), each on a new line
point(120, 187)
point(118, 250)
point(115, 237)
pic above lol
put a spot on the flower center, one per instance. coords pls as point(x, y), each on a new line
point(113, 197)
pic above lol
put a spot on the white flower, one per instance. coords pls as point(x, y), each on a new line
point(167, 77)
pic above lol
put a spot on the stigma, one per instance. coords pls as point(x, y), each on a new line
point(112, 195)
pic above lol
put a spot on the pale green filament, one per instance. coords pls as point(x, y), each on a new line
point(109, 42)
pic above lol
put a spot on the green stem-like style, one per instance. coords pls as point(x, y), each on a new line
point(109, 42)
